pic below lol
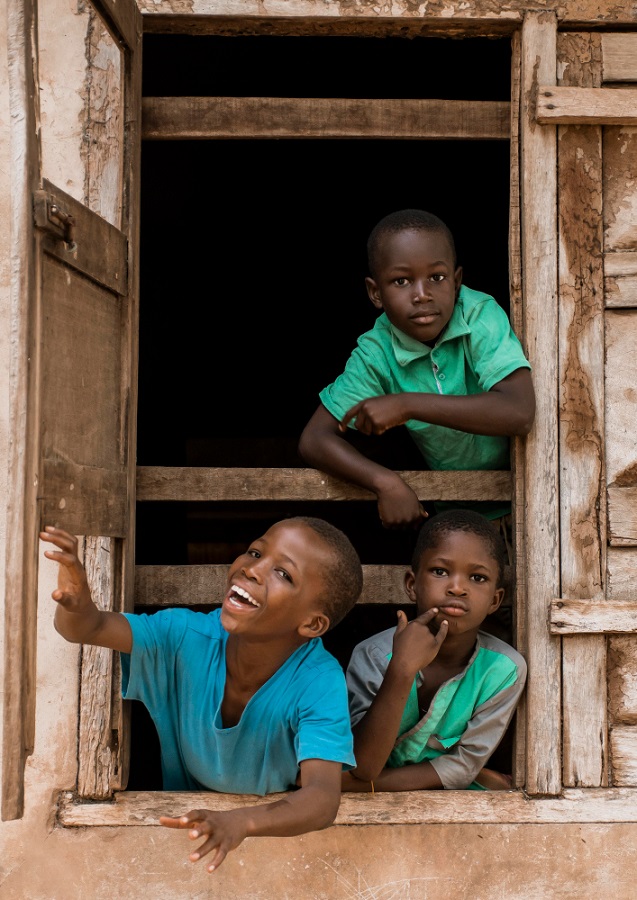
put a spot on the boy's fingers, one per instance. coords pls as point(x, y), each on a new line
point(402, 621)
point(426, 617)
point(442, 632)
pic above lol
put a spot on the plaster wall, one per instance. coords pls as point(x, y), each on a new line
point(39, 861)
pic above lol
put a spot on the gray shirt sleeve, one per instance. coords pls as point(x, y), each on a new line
point(366, 671)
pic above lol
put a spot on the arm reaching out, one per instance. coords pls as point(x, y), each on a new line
point(77, 618)
point(311, 808)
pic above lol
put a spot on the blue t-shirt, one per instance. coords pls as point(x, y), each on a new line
point(177, 668)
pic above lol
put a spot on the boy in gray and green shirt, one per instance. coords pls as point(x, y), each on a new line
point(430, 700)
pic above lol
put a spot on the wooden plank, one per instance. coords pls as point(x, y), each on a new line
point(620, 196)
point(622, 679)
point(205, 585)
point(202, 483)
point(20, 599)
point(620, 57)
point(622, 516)
point(623, 755)
point(581, 418)
point(589, 805)
point(123, 18)
point(97, 752)
point(620, 266)
point(591, 617)
point(72, 495)
point(621, 399)
point(517, 444)
point(622, 574)
point(101, 249)
point(539, 265)
point(586, 106)
point(213, 118)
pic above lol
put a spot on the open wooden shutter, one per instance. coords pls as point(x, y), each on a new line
point(73, 376)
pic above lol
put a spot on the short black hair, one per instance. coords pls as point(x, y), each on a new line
point(343, 577)
point(433, 529)
point(405, 220)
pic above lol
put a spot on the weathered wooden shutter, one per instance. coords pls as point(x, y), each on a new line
point(73, 376)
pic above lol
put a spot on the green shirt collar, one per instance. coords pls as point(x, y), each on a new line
point(407, 348)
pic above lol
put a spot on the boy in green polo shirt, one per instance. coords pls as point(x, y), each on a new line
point(442, 360)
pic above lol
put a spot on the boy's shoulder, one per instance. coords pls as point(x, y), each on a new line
point(471, 302)
point(493, 644)
point(378, 646)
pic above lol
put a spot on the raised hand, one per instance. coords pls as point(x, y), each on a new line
point(72, 591)
point(415, 645)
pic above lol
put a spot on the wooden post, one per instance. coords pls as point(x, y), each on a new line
point(539, 271)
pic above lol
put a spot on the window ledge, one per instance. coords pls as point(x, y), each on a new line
point(574, 805)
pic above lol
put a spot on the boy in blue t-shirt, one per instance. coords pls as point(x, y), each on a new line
point(430, 700)
point(246, 698)
point(442, 360)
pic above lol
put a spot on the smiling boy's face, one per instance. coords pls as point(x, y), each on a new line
point(459, 576)
point(275, 586)
point(416, 282)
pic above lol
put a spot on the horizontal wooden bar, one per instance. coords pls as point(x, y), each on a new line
point(619, 57)
point(587, 805)
point(205, 585)
point(214, 484)
point(621, 564)
point(620, 293)
point(586, 106)
point(214, 118)
point(594, 616)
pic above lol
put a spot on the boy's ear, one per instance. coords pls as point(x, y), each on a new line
point(410, 581)
point(457, 278)
point(498, 597)
point(315, 626)
point(373, 292)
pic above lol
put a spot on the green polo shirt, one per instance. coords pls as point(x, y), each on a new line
point(477, 349)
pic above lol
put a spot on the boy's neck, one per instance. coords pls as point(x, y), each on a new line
point(457, 649)
point(250, 663)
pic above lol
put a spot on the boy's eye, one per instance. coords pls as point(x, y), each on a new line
point(479, 578)
point(438, 277)
point(285, 575)
point(439, 571)
point(401, 282)
point(254, 553)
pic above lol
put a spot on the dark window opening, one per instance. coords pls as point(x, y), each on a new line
point(252, 279)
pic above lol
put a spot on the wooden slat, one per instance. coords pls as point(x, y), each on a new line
point(591, 805)
point(620, 271)
point(622, 679)
point(539, 255)
point(101, 248)
point(209, 118)
point(593, 617)
point(74, 495)
point(123, 18)
point(586, 106)
point(620, 57)
point(620, 376)
point(622, 574)
point(622, 516)
point(623, 755)
point(201, 483)
point(205, 585)
point(581, 418)
point(20, 600)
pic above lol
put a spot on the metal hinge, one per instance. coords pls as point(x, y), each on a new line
point(51, 217)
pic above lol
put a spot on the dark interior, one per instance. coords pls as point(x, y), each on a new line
point(252, 278)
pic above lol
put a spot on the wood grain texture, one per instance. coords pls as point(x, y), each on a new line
point(622, 574)
point(580, 617)
point(205, 585)
point(20, 601)
point(621, 411)
point(586, 106)
point(620, 200)
point(622, 679)
point(539, 267)
point(213, 118)
point(623, 755)
point(622, 516)
point(202, 483)
point(137, 808)
point(620, 57)
point(581, 418)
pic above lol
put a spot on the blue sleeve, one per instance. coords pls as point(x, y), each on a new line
point(324, 728)
point(493, 348)
point(148, 670)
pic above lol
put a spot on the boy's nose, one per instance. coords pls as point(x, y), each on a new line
point(456, 587)
point(421, 291)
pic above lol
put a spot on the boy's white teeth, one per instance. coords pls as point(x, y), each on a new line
point(244, 594)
